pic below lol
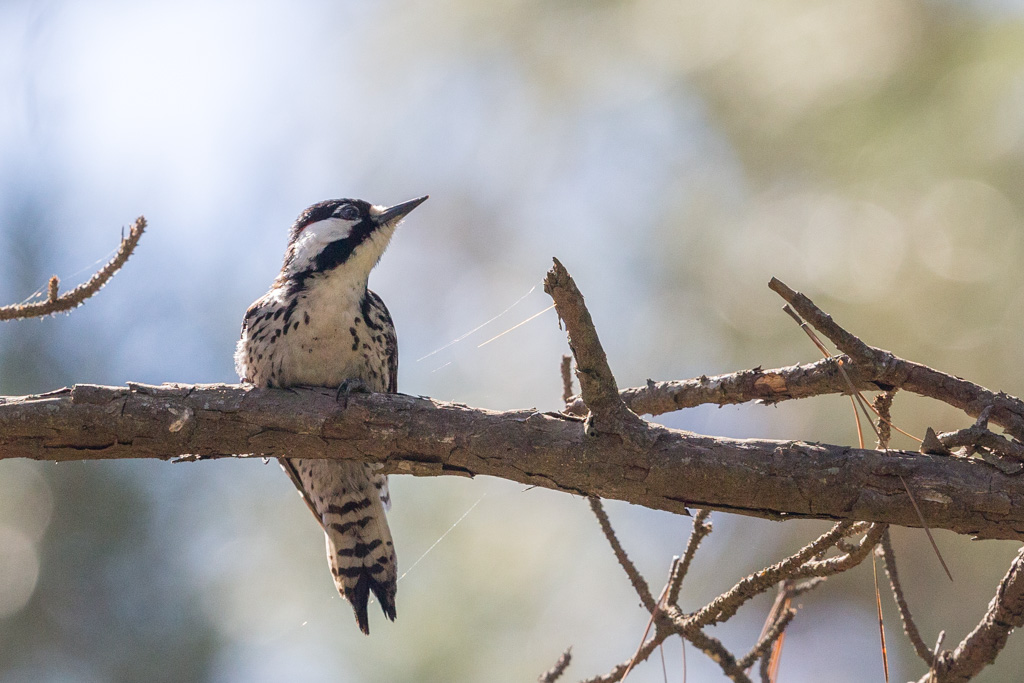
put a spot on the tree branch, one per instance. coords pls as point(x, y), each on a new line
point(74, 298)
point(761, 478)
point(598, 388)
point(725, 605)
point(701, 528)
point(638, 582)
point(555, 672)
point(869, 368)
point(982, 645)
point(909, 625)
point(767, 386)
point(1006, 411)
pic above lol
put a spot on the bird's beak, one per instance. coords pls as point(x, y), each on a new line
point(398, 211)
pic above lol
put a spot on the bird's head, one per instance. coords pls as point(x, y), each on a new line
point(342, 233)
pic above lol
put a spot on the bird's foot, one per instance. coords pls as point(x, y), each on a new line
point(349, 387)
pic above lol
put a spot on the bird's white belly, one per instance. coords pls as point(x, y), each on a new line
point(320, 353)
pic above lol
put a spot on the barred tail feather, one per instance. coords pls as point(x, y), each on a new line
point(362, 556)
point(348, 500)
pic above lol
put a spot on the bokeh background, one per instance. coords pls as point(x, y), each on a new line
point(674, 154)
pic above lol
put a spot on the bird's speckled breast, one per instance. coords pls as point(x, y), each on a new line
point(330, 342)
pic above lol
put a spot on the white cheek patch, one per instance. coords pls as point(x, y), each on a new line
point(315, 237)
point(325, 231)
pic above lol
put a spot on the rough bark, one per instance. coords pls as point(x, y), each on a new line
point(661, 468)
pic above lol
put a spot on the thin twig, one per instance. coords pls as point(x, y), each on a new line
point(909, 626)
point(645, 651)
point(769, 669)
point(767, 640)
point(726, 604)
point(844, 341)
point(639, 585)
point(982, 645)
point(1007, 411)
point(701, 528)
point(647, 629)
point(69, 300)
point(788, 589)
point(555, 672)
point(807, 586)
point(883, 408)
point(718, 653)
point(835, 565)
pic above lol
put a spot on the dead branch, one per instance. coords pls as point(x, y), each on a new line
point(767, 386)
point(836, 565)
point(669, 620)
point(555, 672)
point(598, 388)
point(977, 437)
point(982, 645)
point(701, 529)
point(726, 604)
point(411, 435)
point(74, 298)
point(869, 368)
point(768, 639)
point(909, 625)
point(639, 585)
point(1006, 411)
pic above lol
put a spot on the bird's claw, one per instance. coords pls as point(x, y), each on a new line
point(349, 387)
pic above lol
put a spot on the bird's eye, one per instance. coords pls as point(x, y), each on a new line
point(347, 212)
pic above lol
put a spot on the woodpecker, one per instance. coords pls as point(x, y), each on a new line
point(319, 325)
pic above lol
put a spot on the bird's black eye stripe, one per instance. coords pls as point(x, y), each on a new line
point(347, 212)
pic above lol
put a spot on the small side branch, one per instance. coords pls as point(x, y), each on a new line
point(726, 604)
point(642, 654)
point(821, 321)
point(909, 626)
point(982, 645)
point(836, 565)
point(701, 528)
point(717, 652)
point(1006, 411)
point(555, 672)
point(639, 585)
point(766, 386)
point(597, 383)
point(978, 437)
point(74, 298)
point(874, 370)
point(768, 639)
